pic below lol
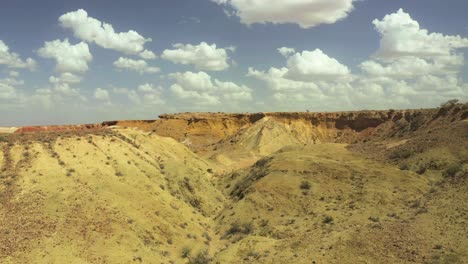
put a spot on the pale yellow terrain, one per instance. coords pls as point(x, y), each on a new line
point(380, 213)
point(99, 199)
point(358, 187)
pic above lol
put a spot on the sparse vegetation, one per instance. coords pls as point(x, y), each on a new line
point(262, 213)
point(305, 185)
point(185, 253)
point(452, 170)
point(400, 154)
point(327, 220)
point(201, 258)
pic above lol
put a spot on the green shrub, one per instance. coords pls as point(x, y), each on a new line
point(247, 228)
point(401, 154)
point(404, 166)
point(234, 229)
point(185, 252)
point(201, 258)
point(327, 219)
point(421, 169)
point(452, 170)
point(305, 185)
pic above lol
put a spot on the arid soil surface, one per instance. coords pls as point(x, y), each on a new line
point(347, 187)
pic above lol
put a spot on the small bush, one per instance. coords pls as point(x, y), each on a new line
point(452, 170)
point(201, 258)
point(247, 228)
point(234, 229)
point(421, 169)
point(401, 154)
point(327, 219)
point(305, 185)
point(186, 251)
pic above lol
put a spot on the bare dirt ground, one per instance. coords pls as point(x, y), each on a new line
point(357, 187)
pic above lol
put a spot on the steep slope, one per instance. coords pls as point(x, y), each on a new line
point(235, 140)
point(200, 130)
point(436, 140)
point(347, 187)
point(323, 204)
point(102, 197)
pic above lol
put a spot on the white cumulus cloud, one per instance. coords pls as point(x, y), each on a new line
point(314, 65)
point(305, 13)
point(13, 60)
point(139, 66)
point(402, 36)
point(412, 68)
point(147, 55)
point(285, 51)
point(201, 89)
point(69, 58)
point(102, 94)
point(103, 34)
point(203, 56)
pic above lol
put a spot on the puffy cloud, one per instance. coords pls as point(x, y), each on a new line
point(276, 81)
point(310, 72)
point(147, 94)
point(232, 91)
point(402, 36)
point(198, 98)
point(7, 91)
point(200, 81)
point(147, 55)
point(9, 88)
point(313, 65)
point(103, 34)
point(285, 51)
point(148, 88)
point(66, 89)
point(406, 50)
point(415, 62)
point(305, 13)
point(13, 60)
point(200, 89)
point(101, 94)
point(203, 56)
point(405, 72)
point(139, 66)
point(69, 58)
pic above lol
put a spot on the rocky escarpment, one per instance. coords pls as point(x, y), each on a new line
point(205, 131)
point(58, 128)
point(200, 130)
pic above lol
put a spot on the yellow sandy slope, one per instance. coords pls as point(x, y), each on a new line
point(104, 199)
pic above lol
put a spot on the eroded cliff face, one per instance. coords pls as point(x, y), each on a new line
point(29, 129)
point(200, 130)
point(211, 131)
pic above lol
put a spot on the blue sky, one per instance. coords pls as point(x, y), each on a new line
point(227, 58)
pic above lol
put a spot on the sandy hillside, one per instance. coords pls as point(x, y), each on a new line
point(348, 187)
